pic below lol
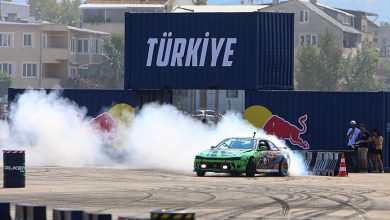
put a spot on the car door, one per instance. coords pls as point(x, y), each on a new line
point(268, 158)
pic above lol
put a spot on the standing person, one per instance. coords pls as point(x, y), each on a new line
point(378, 142)
point(352, 134)
point(364, 139)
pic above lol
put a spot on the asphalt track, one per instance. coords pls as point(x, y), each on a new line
point(127, 192)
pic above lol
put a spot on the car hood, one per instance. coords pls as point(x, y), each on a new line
point(221, 153)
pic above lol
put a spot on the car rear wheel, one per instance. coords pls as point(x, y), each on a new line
point(251, 168)
point(200, 173)
point(283, 168)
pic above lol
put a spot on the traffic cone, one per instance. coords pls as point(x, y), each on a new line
point(343, 167)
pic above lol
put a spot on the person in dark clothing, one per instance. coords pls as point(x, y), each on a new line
point(378, 143)
point(364, 139)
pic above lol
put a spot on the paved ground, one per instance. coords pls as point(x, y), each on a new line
point(136, 192)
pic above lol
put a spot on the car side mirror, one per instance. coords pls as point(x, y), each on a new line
point(262, 148)
point(212, 147)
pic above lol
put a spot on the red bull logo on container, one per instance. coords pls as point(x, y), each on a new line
point(262, 117)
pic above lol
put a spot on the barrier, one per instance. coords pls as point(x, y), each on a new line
point(96, 216)
point(130, 218)
point(169, 215)
point(67, 214)
point(30, 212)
point(13, 169)
point(5, 211)
point(332, 164)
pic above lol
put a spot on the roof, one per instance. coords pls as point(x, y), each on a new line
point(331, 20)
point(156, 2)
point(335, 9)
point(87, 30)
point(118, 6)
point(366, 13)
point(218, 8)
point(13, 3)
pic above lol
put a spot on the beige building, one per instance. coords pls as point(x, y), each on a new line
point(109, 15)
point(45, 55)
point(312, 17)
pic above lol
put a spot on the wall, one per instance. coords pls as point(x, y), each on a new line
point(328, 116)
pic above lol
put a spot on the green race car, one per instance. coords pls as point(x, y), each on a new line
point(243, 155)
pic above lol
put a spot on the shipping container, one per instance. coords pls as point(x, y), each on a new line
point(209, 51)
point(319, 120)
point(95, 100)
point(98, 100)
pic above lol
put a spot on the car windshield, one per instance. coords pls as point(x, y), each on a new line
point(237, 143)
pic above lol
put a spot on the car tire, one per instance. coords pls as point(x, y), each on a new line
point(251, 168)
point(200, 173)
point(283, 168)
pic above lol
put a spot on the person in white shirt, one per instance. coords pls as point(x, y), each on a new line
point(352, 134)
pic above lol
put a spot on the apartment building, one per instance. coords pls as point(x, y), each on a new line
point(13, 12)
point(45, 55)
point(109, 15)
point(312, 17)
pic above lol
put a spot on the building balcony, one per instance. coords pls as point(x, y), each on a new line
point(50, 82)
point(54, 55)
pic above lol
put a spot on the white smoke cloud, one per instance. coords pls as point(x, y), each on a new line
point(52, 132)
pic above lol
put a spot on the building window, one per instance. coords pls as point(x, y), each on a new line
point(73, 43)
point(347, 20)
point(83, 45)
point(73, 72)
point(28, 40)
point(44, 41)
point(231, 93)
point(7, 68)
point(83, 71)
point(6, 39)
point(30, 70)
point(314, 40)
point(308, 39)
point(304, 16)
point(94, 45)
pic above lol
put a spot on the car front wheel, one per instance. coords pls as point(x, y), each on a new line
point(251, 168)
point(200, 173)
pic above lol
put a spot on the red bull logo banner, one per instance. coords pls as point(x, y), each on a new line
point(112, 124)
point(262, 117)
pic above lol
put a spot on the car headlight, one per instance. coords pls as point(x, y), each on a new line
point(203, 166)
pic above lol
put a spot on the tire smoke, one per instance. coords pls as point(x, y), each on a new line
point(54, 131)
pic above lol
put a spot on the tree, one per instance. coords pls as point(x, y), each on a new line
point(307, 65)
point(64, 11)
point(110, 72)
point(69, 10)
point(320, 69)
point(82, 82)
point(384, 69)
point(199, 2)
point(5, 83)
point(359, 73)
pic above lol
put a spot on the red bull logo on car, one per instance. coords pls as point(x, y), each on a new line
point(261, 117)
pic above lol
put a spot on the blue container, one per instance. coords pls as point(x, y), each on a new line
point(209, 51)
point(327, 116)
point(95, 100)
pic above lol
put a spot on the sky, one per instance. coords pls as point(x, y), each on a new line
point(381, 7)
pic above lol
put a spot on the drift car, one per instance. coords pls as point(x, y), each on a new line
point(243, 155)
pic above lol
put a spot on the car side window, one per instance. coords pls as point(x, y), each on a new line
point(272, 146)
point(264, 143)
